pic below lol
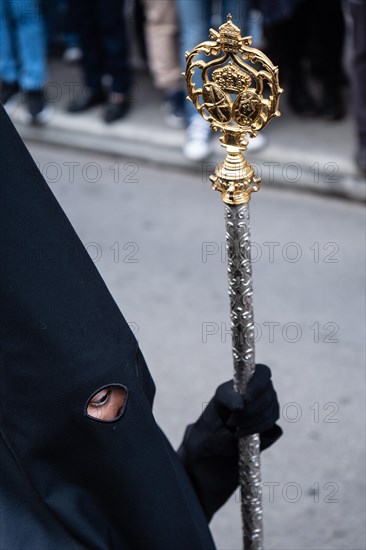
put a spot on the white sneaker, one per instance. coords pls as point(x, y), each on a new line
point(257, 143)
point(198, 145)
point(73, 54)
point(174, 109)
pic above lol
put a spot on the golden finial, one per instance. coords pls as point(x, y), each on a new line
point(239, 95)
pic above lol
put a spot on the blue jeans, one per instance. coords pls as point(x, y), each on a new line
point(195, 23)
point(22, 44)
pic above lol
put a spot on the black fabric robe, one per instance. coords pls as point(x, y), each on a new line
point(68, 481)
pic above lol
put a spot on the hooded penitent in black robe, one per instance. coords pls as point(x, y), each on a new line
point(68, 481)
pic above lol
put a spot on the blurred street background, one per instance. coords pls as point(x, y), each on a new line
point(130, 166)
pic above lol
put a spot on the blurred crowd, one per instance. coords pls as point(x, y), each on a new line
point(304, 37)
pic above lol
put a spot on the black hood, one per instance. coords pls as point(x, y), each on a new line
point(69, 481)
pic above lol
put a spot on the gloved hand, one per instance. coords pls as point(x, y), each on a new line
point(209, 451)
point(256, 412)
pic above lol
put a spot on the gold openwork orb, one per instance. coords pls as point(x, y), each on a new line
point(238, 94)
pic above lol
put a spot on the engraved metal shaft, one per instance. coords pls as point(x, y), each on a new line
point(242, 327)
point(236, 89)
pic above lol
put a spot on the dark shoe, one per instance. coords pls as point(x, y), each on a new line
point(302, 103)
point(116, 108)
point(7, 91)
point(333, 106)
point(88, 99)
point(38, 111)
point(9, 96)
point(361, 160)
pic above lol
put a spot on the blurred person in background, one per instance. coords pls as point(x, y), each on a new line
point(162, 37)
point(105, 51)
point(61, 32)
point(23, 59)
point(306, 38)
point(71, 39)
point(327, 31)
point(195, 21)
point(358, 14)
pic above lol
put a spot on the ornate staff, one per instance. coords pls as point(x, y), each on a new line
point(239, 95)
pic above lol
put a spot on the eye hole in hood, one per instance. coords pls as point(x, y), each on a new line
point(107, 404)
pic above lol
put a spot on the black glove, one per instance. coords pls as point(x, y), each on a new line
point(256, 412)
point(209, 450)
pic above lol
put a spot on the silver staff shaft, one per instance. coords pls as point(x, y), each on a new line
point(236, 88)
point(242, 327)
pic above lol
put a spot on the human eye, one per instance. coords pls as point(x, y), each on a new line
point(101, 398)
point(107, 404)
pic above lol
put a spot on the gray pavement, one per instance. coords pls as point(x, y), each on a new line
point(301, 154)
point(156, 235)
